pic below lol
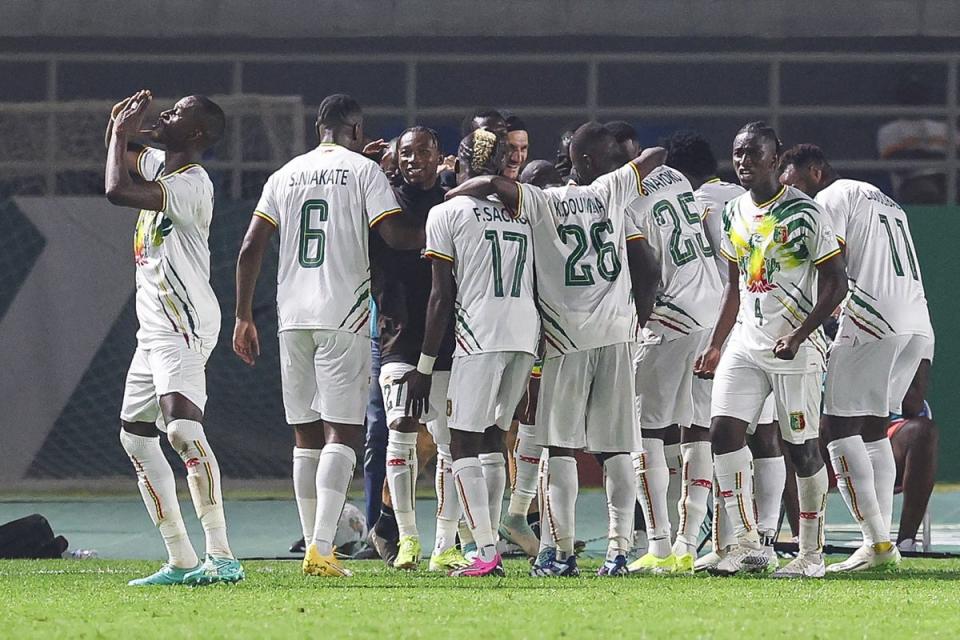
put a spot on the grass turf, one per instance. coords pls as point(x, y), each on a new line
point(90, 599)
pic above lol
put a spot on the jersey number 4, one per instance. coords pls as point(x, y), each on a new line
point(497, 255)
point(313, 239)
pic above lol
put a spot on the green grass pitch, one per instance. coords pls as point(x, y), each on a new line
point(90, 599)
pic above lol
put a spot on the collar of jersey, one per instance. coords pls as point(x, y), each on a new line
point(783, 190)
point(181, 169)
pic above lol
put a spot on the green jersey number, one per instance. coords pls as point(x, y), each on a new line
point(894, 253)
point(608, 262)
point(313, 239)
point(497, 255)
point(682, 251)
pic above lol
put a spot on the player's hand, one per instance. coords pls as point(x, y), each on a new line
point(449, 163)
point(246, 343)
point(418, 392)
point(130, 118)
point(786, 348)
point(706, 364)
point(374, 149)
point(117, 108)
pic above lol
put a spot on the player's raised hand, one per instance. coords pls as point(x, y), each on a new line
point(246, 342)
point(117, 108)
point(449, 163)
point(706, 364)
point(418, 392)
point(374, 149)
point(130, 118)
point(786, 348)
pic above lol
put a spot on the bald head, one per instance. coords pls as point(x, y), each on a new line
point(541, 173)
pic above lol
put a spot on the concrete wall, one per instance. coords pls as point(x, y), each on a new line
point(403, 18)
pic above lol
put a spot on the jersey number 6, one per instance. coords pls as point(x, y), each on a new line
point(313, 240)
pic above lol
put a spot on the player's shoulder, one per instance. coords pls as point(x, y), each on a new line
point(717, 190)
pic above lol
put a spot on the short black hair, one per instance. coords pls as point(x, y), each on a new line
point(480, 112)
point(762, 129)
point(622, 131)
point(419, 129)
point(803, 155)
point(339, 110)
point(212, 118)
point(690, 153)
point(515, 123)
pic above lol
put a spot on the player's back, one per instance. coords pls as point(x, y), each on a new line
point(583, 285)
point(887, 294)
point(712, 196)
point(668, 217)
point(492, 256)
point(324, 203)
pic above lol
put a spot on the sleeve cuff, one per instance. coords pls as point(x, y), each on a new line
point(163, 188)
point(437, 255)
point(385, 214)
point(261, 214)
point(140, 155)
point(636, 172)
point(636, 236)
point(823, 259)
point(727, 256)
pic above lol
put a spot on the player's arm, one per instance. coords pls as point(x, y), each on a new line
point(648, 160)
point(120, 186)
point(133, 149)
point(400, 231)
point(706, 363)
point(246, 342)
point(831, 290)
point(439, 314)
point(644, 276)
point(484, 186)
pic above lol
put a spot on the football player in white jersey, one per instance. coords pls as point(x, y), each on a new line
point(583, 290)
point(324, 204)
point(690, 153)
point(884, 334)
point(667, 219)
point(179, 319)
point(785, 257)
point(483, 281)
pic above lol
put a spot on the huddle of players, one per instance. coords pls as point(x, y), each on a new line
point(513, 267)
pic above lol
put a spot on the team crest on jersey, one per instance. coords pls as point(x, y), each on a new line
point(780, 234)
point(798, 421)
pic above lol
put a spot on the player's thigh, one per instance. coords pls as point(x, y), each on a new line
point(611, 424)
point(473, 391)
point(562, 406)
point(395, 392)
point(342, 368)
point(664, 377)
point(859, 376)
point(440, 409)
point(298, 377)
point(179, 369)
point(513, 384)
point(905, 367)
point(140, 402)
point(740, 387)
point(797, 396)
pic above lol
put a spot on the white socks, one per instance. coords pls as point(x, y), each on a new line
point(884, 478)
point(563, 485)
point(203, 478)
point(159, 492)
point(494, 469)
point(619, 482)
point(548, 527)
point(674, 458)
point(527, 455)
point(813, 500)
point(856, 482)
point(402, 479)
point(734, 473)
point(769, 480)
point(448, 509)
point(472, 489)
point(334, 472)
point(696, 484)
point(653, 476)
point(722, 530)
point(305, 463)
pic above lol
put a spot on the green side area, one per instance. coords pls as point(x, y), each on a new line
point(934, 230)
point(86, 599)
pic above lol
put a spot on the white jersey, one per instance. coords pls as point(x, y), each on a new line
point(583, 283)
point(668, 218)
point(324, 203)
point(174, 296)
point(712, 196)
point(886, 289)
point(492, 256)
point(777, 245)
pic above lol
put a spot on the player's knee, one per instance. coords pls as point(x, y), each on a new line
point(922, 433)
point(183, 433)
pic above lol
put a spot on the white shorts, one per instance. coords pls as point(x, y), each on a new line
point(158, 370)
point(740, 387)
point(664, 381)
point(395, 399)
point(871, 378)
point(325, 375)
point(485, 389)
point(587, 401)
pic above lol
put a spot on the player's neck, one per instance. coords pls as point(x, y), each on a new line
point(175, 160)
point(765, 192)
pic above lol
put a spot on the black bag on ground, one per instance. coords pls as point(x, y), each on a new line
point(30, 537)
